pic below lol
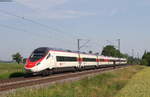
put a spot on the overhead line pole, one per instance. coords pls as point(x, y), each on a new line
point(79, 59)
point(78, 44)
point(79, 47)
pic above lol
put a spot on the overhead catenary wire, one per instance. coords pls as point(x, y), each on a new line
point(18, 29)
point(35, 22)
point(24, 18)
point(13, 28)
point(73, 35)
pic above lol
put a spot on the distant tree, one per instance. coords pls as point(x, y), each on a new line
point(24, 60)
point(144, 62)
point(132, 60)
point(146, 55)
point(146, 59)
point(17, 57)
point(110, 50)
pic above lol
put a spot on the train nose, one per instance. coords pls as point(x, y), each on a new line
point(31, 70)
point(30, 65)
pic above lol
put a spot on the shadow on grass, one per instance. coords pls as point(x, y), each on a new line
point(17, 74)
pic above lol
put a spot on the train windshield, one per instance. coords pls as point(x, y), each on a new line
point(38, 54)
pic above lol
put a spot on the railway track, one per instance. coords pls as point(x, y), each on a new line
point(15, 83)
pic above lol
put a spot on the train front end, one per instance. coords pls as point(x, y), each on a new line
point(36, 60)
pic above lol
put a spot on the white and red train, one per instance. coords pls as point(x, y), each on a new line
point(45, 60)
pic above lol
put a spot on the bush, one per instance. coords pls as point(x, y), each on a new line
point(146, 59)
point(144, 62)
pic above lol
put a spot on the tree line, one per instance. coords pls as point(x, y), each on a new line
point(110, 50)
point(18, 58)
point(146, 59)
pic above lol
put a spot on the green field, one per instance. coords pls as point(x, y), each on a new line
point(103, 85)
point(138, 86)
point(8, 70)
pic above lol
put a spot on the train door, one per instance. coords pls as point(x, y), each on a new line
point(79, 60)
point(52, 61)
point(97, 60)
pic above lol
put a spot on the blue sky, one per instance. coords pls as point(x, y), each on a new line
point(94, 20)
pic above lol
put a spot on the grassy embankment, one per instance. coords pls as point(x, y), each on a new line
point(8, 70)
point(138, 86)
point(103, 85)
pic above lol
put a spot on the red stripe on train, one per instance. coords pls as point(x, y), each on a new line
point(32, 64)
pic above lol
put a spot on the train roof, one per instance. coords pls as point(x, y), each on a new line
point(67, 50)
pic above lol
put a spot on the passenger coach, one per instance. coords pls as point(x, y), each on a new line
point(47, 60)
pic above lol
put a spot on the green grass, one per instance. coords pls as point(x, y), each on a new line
point(103, 85)
point(8, 70)
point(138, 86)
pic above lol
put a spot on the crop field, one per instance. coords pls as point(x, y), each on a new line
point(104, 85)
point(8, 70)
point(138, 86)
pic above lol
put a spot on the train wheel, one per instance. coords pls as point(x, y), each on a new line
point(46, 72)
point(28, 75)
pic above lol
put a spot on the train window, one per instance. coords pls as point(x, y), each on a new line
point(89, 59)
point(65, 58)
point(38, 54)
point(111, 60)
point(48, 56)
point(101, 60)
